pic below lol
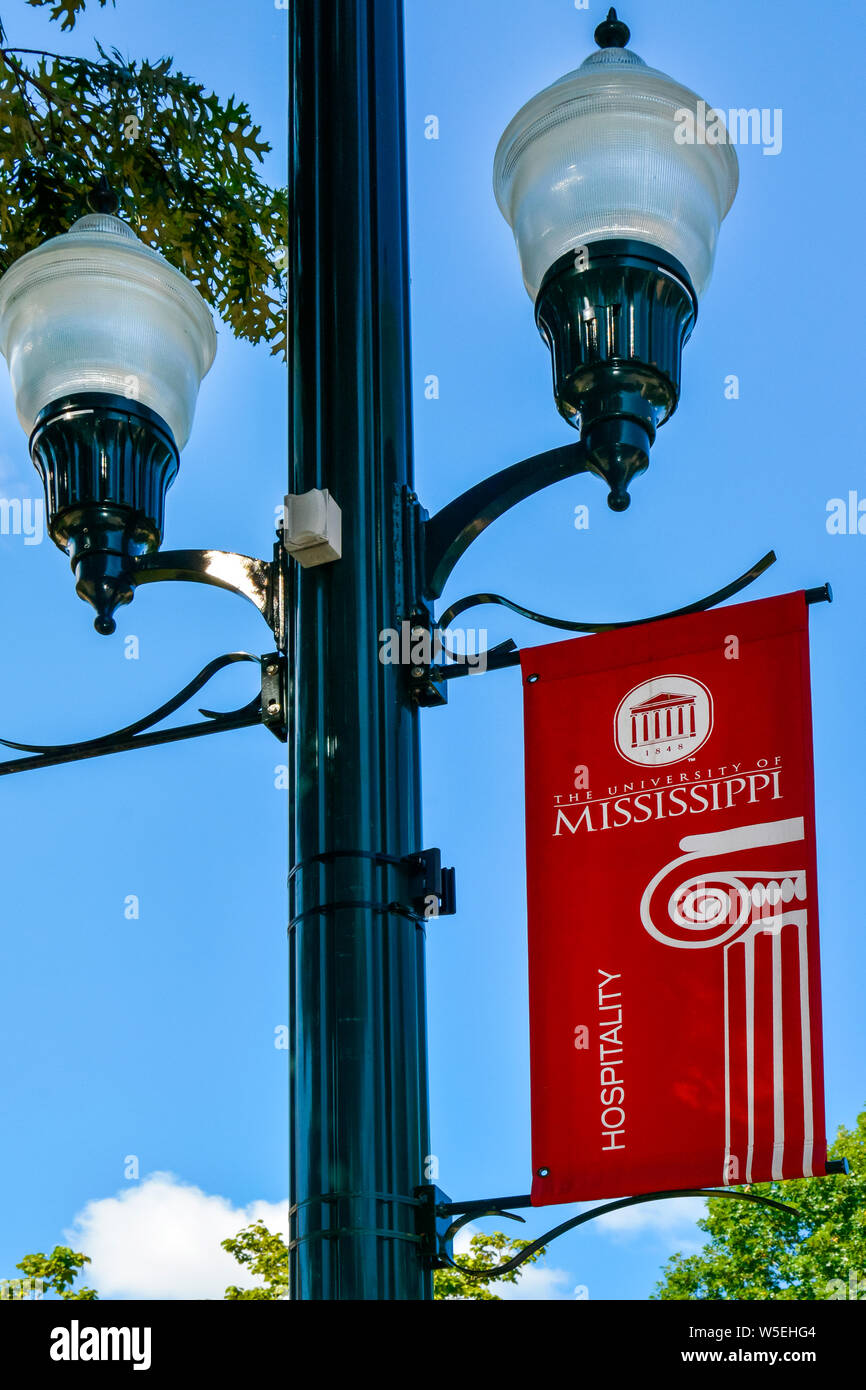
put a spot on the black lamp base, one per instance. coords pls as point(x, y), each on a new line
point(616, 316)
point(106, 464)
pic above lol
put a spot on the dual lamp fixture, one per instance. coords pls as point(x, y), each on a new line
point(616, 225)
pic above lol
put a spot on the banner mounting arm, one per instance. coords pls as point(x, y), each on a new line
point(437, 1231)
point(507, 653)
point(567, 625)
point(438, 1236)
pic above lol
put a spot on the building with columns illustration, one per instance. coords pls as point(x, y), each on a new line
point(663, 717)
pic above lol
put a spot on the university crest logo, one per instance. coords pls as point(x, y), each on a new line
point(663, 721)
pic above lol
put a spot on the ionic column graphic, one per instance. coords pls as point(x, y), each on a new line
point(760, 919)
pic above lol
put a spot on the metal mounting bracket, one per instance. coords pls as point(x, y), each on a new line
point(439, 1220)
point(432, 889)
point(264, 583)
point(267, 707)
point(448, 534)
point(275, 695)
point(425, 688)
point(437, 1248)
point(444, 538)
point(508, 654)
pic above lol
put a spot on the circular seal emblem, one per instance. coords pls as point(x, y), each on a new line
point(663, 721)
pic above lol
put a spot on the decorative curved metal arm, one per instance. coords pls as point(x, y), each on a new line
point(453, 529)
point(218, 664)
point(136, 735)
point(263, 582)
point(507, 653)
point(449, 533)
point(475, 600)
point(467, 1220)
point(580, 1220)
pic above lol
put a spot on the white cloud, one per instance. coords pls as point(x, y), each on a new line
point(160, 1238)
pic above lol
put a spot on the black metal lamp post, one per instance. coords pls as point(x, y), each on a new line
point(358, 1087)
point(616, 227)
point(359, 1124)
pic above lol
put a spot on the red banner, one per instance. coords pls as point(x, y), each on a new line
point(675, 1008)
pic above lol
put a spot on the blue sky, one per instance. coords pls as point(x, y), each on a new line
point(155, 1037)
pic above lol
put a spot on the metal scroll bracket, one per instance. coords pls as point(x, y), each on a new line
point(442, 539)
point(448, 534)
point(440, 1219)
point(265, 584)
point(267, 707)
point(428, 681)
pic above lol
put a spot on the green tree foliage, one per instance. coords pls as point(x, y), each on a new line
point(485, 1252)
point(181, 163)
point(55, 1273)
point(755, 1253)
point(265, 1254)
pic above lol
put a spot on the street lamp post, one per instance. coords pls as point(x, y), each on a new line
point(359, 1126)
point(616, 224)
point(358, 1082)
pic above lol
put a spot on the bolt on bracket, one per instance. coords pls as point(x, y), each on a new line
point(432, 889)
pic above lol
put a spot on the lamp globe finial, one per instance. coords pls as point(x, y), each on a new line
point(612, 32)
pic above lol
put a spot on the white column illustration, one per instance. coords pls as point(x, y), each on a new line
point(759, 920)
